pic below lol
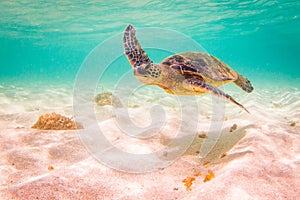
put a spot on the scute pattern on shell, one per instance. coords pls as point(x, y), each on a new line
point(202, 64)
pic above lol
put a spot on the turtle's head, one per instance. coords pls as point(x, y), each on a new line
point(148, 73)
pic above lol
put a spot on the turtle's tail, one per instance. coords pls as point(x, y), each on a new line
point(243, 83)
point(133, 50)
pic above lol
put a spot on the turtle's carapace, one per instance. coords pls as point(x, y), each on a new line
point(190, 73)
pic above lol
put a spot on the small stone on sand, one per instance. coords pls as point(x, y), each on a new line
point(202, 135)
point(233, 127)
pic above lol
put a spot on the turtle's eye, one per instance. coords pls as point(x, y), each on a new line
point(140, 71)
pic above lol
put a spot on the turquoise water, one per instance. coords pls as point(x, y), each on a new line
point(50, 40)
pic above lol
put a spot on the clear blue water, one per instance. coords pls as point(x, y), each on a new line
point(50, 40)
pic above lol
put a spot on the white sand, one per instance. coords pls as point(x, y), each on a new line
point(262, 162)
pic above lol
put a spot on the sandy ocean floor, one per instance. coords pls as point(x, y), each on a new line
point(258, 160)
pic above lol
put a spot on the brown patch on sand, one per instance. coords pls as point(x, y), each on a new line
point(206, 163)
point(223, 155)
point(107, 98)
point(293, 124)
point(210, 175)
point(188, 181)
point(55, 121)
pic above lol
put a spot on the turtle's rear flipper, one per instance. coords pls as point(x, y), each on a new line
point(243, 83)
point(200, 86)
point(132, 48)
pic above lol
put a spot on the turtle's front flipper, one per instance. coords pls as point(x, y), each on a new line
point(200, 86)
point(133, 50)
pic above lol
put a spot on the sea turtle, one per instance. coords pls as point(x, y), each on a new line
point(190, 73)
